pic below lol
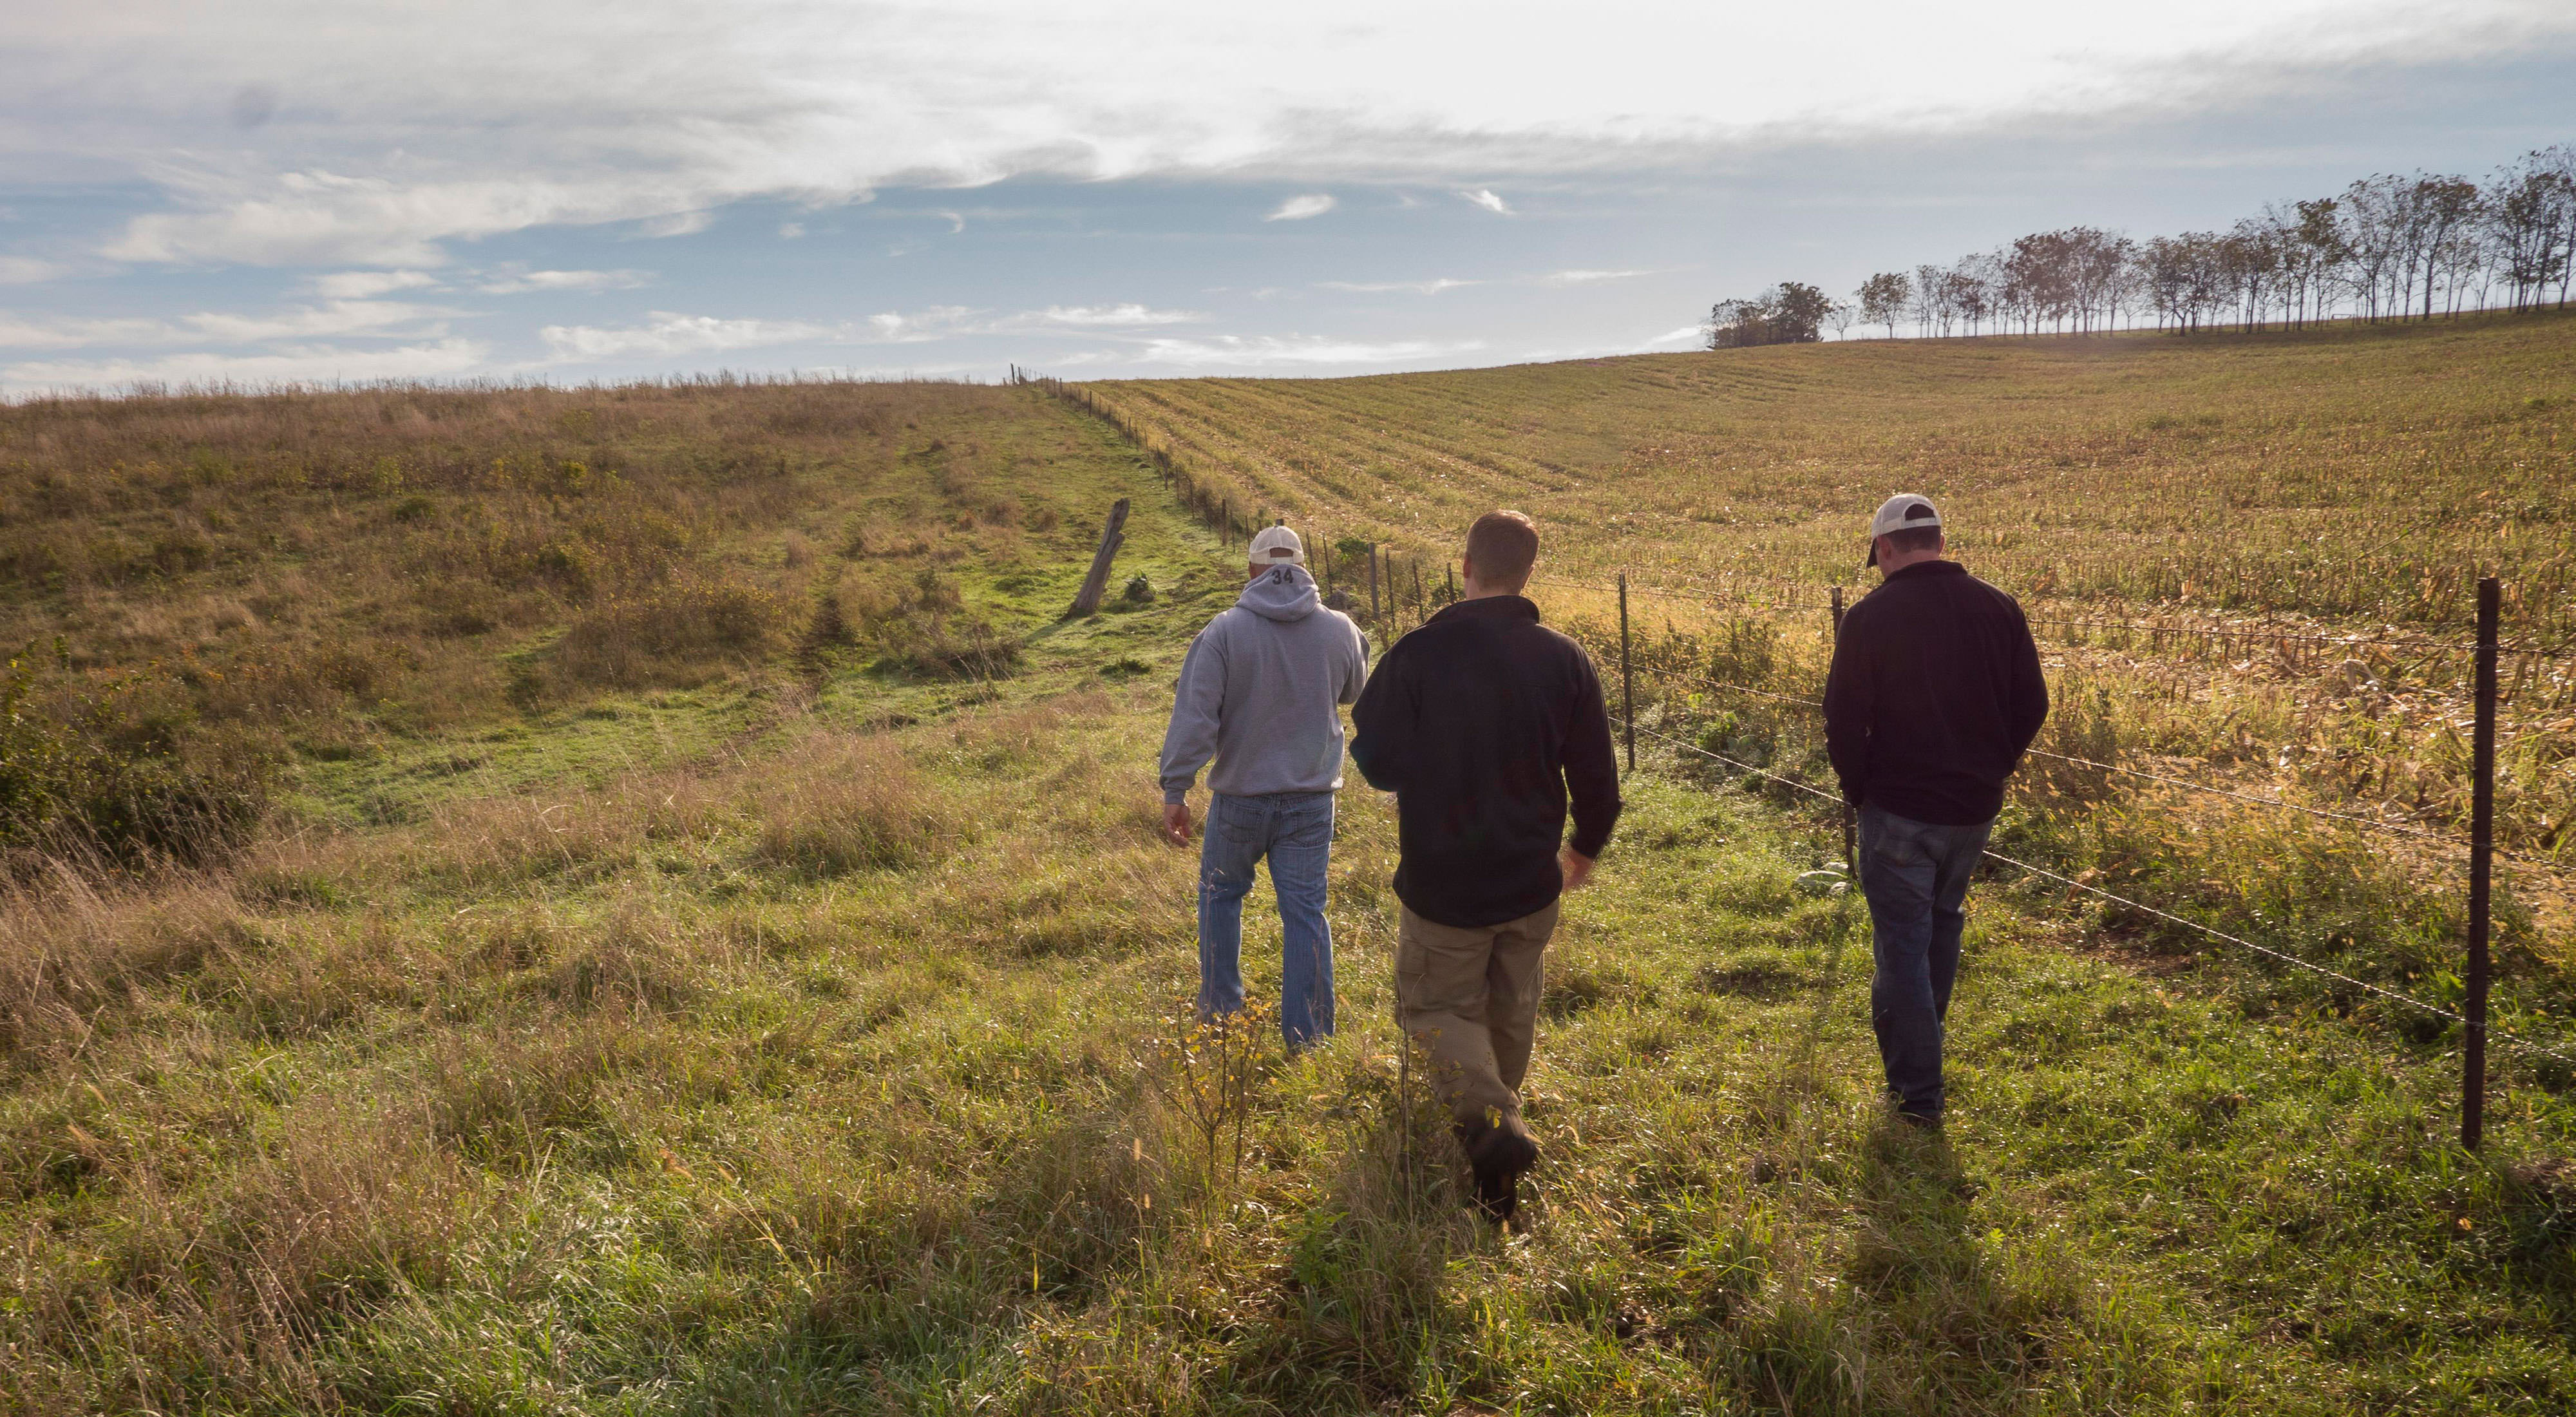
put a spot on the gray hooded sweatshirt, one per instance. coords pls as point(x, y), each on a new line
point(1258, 693)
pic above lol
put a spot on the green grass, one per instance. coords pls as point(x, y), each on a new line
point(808, 1040)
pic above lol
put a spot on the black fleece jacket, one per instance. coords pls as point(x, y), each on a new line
point(1934, 695)
point(1483, 722)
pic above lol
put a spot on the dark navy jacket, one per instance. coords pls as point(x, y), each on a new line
point(1935, 694)
point(1483, 722)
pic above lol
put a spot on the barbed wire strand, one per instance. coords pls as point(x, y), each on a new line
point(2409, 1000)
point(2375, 824)
point(2500, 1035)
point(2253, 636)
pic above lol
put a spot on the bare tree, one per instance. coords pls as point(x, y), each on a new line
point(2438, 209)
point(2372, 214)
point(2387, 246)
point(2529, 226)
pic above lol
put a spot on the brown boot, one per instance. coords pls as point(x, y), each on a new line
point(1497, 1155)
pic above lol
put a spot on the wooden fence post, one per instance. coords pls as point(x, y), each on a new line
point(1627, 677)
point(1851, 827)
point(1096, 584)
point(1373, 611)
point(2473, 1064)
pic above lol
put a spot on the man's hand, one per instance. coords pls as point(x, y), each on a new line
point(1176, 823)
point(1574, 866)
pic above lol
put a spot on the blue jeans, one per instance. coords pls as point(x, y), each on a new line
point(1915, 876)
point(1295, 830)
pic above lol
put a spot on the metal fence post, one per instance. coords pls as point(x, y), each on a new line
point(1627, 677)
point(2473, 1066)
point(1851, 847)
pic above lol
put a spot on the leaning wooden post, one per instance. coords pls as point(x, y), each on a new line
point(1851, 827)
point(1097, 583)
point(1373, 580)
point(2473, 1066)
point(1627, 677)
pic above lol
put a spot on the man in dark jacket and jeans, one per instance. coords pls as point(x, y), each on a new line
point(1483, 723)
point(1934, 695)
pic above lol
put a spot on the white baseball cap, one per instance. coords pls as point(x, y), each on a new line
point(1906, 511)
point(1277, 546)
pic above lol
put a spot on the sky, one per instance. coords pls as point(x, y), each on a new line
point(311, 191)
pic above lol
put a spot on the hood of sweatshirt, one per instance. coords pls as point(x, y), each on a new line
point(1281, 593)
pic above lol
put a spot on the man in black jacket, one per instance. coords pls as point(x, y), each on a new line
point(1934, 695)
point(1483, 723)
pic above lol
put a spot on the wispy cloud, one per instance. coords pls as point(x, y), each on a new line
point(1095, 316)
point(1586, 277)
point(1487, 198)
point(333, 319)
point(360, 285)
point(27, 270)
point(933, 323)
point(676, 224)
point(1313, 204)
point(1269, 351)
point(790, 230)
point(665, 333)
point(1414, 287)
point(446, 358)
point(521, 282)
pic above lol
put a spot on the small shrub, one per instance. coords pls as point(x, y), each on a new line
point(676, 626)
point(1140, 591)
point(863, 808)
point(121, 769)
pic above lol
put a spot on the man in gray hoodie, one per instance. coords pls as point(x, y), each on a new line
point(1259, 693)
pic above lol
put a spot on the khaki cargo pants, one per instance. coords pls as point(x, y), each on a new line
point(1470, 998)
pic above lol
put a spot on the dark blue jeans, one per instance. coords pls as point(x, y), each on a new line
point(1295, 831)
point(1915, 876)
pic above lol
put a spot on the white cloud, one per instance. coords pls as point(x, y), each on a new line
point(677, 224)
point(665, 333)
point(790, 230)
point(27, 270)
point(447, 358)
point(1267, 351)
point(1687, 334)
point(1586, 277)
point(929, 324)
point(414, 125)
point(521, 282)
point(1417, 287)
point(359, 285)
point(333, 319)
point(1104, 315)
point(1313, 204)
point(1486, 198)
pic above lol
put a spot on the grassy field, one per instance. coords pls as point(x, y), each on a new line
point(794, 1021)
point(2306, 513)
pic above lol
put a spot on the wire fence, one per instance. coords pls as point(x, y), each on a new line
point(1404, 588)
point(2513, 1040)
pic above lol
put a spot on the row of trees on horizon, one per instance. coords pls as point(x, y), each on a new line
point(2386, 247)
